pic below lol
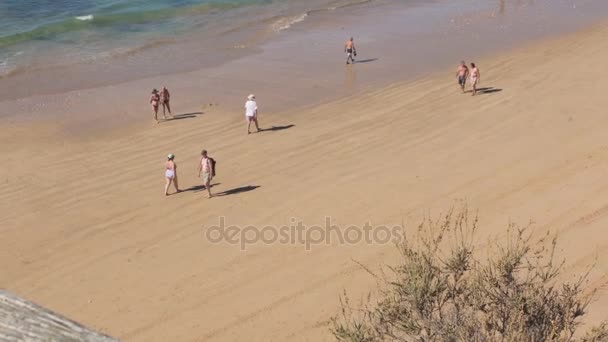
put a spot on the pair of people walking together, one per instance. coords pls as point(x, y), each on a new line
point(161, 98)
point(473, 75)
point(206, 168)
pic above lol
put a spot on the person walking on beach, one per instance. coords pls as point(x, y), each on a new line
point(251, 113)
point(154, 101)
point(475, 77)
point(205, 166)
point(462, 73)
point(164, 99)
point(351, 51)
point(171, 174)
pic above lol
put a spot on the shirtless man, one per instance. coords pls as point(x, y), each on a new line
point(170, 174)
point(462, 73)
point(351, 51)
point(475, 77)
point(204, 166)
point(164, 100)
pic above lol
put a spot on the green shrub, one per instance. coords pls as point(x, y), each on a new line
point(442, 291)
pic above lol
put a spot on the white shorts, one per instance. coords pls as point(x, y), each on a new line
point(170, 174)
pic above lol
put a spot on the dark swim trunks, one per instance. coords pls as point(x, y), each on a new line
point(462, 80)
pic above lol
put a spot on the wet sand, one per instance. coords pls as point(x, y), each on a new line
point(86, 230)
point(298, 67)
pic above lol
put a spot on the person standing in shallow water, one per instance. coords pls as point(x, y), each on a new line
point(155, 101)
point(170, 174)
point(475, 77)
point(251, 113)
point(165, 96)
point(351, 51)
point(462, 73)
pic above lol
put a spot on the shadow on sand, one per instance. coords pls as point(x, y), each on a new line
point(236, 191)
point(183, 116)
point(369, 60)
point(198, 188)
point(276, 128)
point(486, 90)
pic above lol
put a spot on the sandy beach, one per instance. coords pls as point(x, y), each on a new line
point(294, 67)
point(86, 231)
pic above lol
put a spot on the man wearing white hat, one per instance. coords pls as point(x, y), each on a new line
point(251, 113)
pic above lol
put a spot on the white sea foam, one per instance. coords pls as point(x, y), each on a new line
point(287, 22)
point(6, 68)
point(85, 17)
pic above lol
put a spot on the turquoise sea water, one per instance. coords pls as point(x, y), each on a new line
point(33, 31)
point(25, 21)
point(55, 46)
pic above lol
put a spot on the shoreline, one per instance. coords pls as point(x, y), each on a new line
point(282, 78)
point(89, 235)
point(220, 39)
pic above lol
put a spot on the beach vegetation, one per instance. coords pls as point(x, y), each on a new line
point(448, 287)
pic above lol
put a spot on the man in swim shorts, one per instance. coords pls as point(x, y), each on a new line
point(351, 51)
point(462, 73)
point(164, 100)
point(205, 167)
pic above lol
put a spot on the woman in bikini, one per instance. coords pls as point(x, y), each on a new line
point(170, 174)
point(475, 77)
point(155, 101)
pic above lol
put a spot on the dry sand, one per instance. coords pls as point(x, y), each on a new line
point(86, 231)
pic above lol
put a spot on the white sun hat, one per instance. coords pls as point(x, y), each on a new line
point(251, 97)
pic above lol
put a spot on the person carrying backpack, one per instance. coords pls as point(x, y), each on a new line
point(207, 167)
